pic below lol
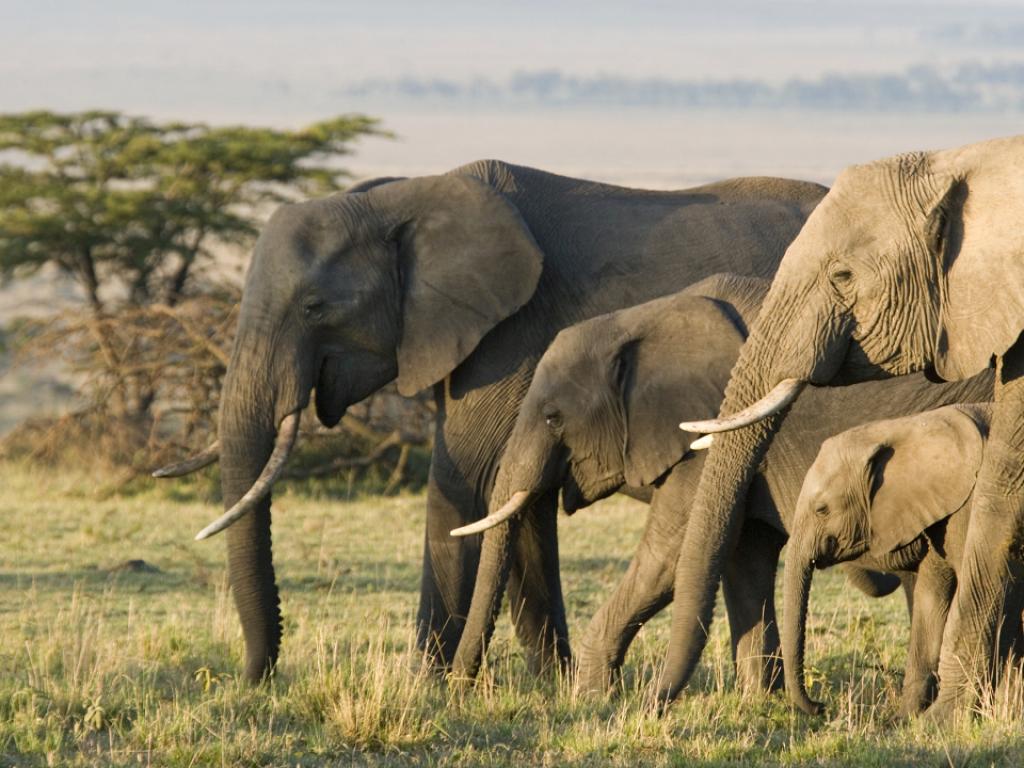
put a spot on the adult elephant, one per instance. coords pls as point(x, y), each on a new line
point(459, 281)
point(909, 262)
point(592, 421)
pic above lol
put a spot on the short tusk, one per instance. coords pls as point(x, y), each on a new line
point(200, 460)
point(514, 505)
point(702, 443)
point(785, 392)
point(286, 435)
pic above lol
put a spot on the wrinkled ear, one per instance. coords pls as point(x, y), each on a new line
point(679, 362)
point(923, 472)
point(982, 296)
point(466, 260)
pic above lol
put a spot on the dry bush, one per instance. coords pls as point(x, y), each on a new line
point(152, 376)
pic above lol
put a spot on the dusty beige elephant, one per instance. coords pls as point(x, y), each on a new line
point(909, 263)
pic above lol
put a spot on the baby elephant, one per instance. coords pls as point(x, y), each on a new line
point(893, 495)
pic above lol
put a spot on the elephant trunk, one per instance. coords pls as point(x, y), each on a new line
point(246, 445)
point(252, 407)
point(717, 512)
point(796, 590)
point(488, 591)
point(526, 471)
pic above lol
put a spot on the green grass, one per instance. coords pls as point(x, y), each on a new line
point(108, 666)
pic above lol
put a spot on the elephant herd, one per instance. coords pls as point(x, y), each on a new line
point(831, 349)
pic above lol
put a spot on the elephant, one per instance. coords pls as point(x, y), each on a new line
point(911, 263)
point(892, 494)
point(458, 282)
point(592, 421)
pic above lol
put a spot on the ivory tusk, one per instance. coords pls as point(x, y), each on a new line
point(783, 394)
point(286, 435)
point(702, 443)
point(514, 505)
point(200, 460)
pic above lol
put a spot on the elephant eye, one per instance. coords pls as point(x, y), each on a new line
point(840, 274)
point(821, 510)
point(553, 419)
point(313, 308)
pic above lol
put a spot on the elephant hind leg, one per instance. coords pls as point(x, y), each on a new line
point(933, 594)
point(749, 589)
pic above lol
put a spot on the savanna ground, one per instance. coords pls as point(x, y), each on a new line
point(104, 663)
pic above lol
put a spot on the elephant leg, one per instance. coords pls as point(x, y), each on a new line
point(535, 590)
point(449, 566)
point(991, 555)
point(645, 589)
point(933, 595)
point(748, 586)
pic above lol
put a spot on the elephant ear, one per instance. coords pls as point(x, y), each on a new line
point(466, 261)
point(971, 232)
point(678, 362)
point(923, 471)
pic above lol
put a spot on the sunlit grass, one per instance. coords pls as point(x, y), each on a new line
point(107, 664)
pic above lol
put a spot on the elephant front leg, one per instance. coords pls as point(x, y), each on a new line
point(644, 591)
point(535, 590)
point(449, 566)
point(749, 590)
point(933, 594)
point(992, 551)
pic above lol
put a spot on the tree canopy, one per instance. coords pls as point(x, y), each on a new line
point(112, 199)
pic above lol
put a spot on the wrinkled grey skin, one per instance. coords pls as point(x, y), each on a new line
point(895, 495)
point(594, 419)
point(458, 281)
point(908, 262)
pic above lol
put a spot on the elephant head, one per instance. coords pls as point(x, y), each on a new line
point(397, 279)
point(872, 492)
point(592, 419)
point(894, 271)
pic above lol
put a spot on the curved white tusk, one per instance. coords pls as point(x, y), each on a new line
point(783, 394)
point(286, 435)
point(702, 443)
point(200, 460)
point(514, 505)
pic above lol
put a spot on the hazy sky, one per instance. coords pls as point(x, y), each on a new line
point(283, 61)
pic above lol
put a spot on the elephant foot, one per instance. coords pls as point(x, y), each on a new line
point(916, 696)
point(945, 711)
point(596, 677)
point(760, 675)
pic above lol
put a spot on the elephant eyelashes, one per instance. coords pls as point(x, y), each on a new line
point(821, 510)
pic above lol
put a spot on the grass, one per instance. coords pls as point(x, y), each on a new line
point(103, 663)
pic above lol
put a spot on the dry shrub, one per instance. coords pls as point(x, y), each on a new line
point(152, 376)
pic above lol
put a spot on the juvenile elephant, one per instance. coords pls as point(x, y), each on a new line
point(894, 495)
point(593, 420)
point(458, 281)
point(910, 263)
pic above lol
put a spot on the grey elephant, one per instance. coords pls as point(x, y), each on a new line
point(910, 263)
point(459, 282)
point(892, 494)
point(593, 421)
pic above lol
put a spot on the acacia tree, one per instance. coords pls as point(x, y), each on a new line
point(135, 212)
point(131, 208)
